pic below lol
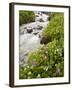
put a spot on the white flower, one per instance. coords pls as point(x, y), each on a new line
point(27, 66)
point(57, 49)
point(38, 75)
point(46, 68)
point(60, 54)
point(24, 68)
point(29, 73)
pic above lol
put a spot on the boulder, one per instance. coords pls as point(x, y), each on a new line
point(41, 20)
point(35, 33)
point(39, 27)
point(45, 13)
point(49, 18)
point(40, 35)
point(29, 29)
point(44, 40)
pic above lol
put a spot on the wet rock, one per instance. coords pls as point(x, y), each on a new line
point(29, 29)
point(39, 27)
point(45, 40)
point(35, 33)
point(41, 20)
point(40, 35)
point(45, 13)
point(49, 18)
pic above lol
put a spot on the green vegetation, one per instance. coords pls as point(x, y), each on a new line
point(26, 17)
point(55, 29)
point(48, 59)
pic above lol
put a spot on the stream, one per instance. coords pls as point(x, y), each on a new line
point(30, 36)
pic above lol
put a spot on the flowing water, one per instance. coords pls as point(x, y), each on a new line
point(29, 36)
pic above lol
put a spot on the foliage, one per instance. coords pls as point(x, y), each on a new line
point(26, 17)
point(55, 28)
point(48, 59)
point(52, 14)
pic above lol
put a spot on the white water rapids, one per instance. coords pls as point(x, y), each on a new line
point(31, 41)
